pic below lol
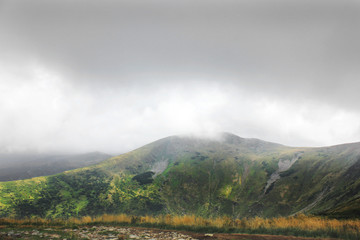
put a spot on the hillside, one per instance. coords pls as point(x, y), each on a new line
point(208, 177)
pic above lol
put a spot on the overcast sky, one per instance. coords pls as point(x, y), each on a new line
point(112, 76)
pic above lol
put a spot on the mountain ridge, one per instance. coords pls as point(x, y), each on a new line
point(19, 166)
point(231, 176)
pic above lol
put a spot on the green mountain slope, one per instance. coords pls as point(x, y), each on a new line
point(229, 175)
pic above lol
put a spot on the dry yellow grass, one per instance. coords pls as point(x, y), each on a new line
point(300, 222)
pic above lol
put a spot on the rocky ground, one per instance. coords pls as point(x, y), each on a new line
point(122, 233)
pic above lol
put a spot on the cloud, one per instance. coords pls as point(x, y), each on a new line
point(113, 75)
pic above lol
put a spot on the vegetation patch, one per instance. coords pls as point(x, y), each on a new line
point(300, 225)
point(144, 178)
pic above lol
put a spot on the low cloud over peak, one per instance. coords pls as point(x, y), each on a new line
point(113, 75)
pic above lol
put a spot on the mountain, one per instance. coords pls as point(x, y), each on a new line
point(17, 166)
point(227, 175)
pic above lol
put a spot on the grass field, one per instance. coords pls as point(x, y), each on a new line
point(300, 225)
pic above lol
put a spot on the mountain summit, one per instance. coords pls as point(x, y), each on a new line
point(225, 175)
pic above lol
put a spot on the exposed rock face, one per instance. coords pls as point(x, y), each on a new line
point(284, 165)
point(160, 166)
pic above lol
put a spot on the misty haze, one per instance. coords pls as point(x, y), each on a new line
point(237, 116)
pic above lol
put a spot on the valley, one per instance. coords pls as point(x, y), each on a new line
point(19, 166)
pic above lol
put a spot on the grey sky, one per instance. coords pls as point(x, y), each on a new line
point(114, 75)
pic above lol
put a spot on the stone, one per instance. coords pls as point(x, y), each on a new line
point(121, 237)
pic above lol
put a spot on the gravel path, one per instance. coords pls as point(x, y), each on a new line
point(122, 233)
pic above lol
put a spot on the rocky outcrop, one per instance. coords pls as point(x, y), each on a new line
point(283, 165)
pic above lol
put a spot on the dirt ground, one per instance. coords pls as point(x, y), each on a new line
point(237, 236)
point(116, 233)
